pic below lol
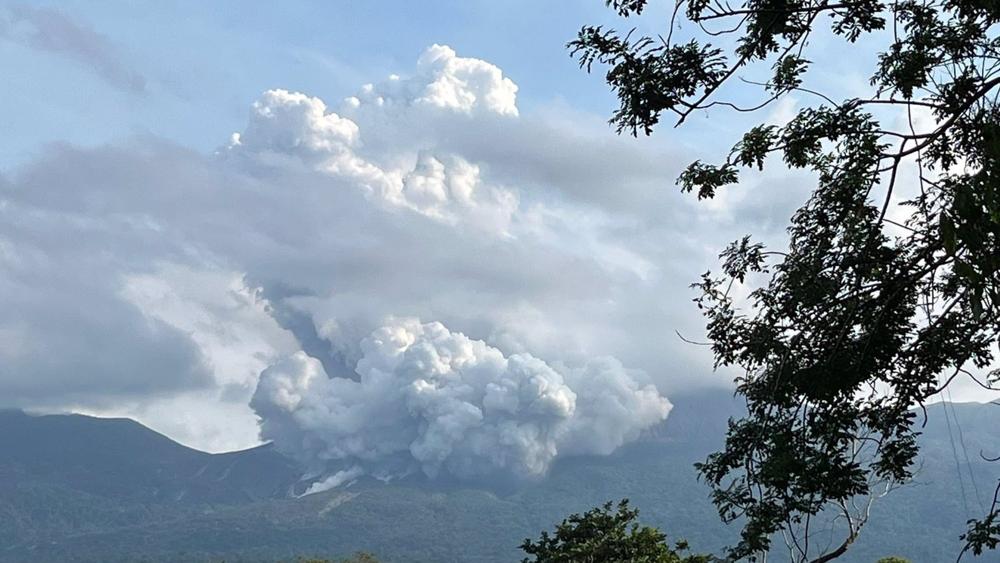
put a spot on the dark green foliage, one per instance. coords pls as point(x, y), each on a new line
point(359, 557)
point(984, 534)
point(626, 7)
point(649, 77)
point(862, 319)
point(607, 534)
point(707, 178)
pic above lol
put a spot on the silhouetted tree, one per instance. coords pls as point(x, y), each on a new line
point(607, 534)
point(877, 304)
point(359, 557)
point(985, 533)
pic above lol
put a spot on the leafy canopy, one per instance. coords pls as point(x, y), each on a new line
point(877, 303)
point(607, 534)
point(359, 557)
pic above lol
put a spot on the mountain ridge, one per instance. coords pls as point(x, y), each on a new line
point(77, 488)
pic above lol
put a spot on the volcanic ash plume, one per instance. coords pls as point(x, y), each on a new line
point(437, 401)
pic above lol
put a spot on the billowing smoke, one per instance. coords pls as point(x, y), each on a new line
point(428, 195)
point(431, 400)
point(412, 397)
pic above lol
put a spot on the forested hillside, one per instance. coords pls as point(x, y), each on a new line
point(132, 494)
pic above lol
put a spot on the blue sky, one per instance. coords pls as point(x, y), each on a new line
point(204, 62)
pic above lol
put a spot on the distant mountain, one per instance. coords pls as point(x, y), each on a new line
point(75, 488)
point(120, 459)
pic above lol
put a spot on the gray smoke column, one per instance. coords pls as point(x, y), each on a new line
point(431, 400)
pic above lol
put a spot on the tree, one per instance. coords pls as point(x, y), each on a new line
point(607, 535)
point(889, 287)
point(893, 559)
point(359, 557)
point(985, 533)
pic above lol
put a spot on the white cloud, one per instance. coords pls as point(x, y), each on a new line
point(290, 128)
point(445, 81)
point(284, 122)
point(333, 481)
point(464, 84)
point(145, 279)
point(227, 320)
point(430, 399)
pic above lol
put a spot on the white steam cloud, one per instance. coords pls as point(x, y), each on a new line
point(437, 401)
point(291, 127)
point(427, 196)
point(411, 396)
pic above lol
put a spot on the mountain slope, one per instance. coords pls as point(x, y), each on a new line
point(121, 459)
point(67, 475)
point(235, 505)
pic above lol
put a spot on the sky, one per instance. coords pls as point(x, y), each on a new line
point(382, 234)
point(198, 65)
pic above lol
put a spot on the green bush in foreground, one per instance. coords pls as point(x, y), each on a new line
point(607, 534)
point(359, 557)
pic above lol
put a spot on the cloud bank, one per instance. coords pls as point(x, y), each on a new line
point(546, 260)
